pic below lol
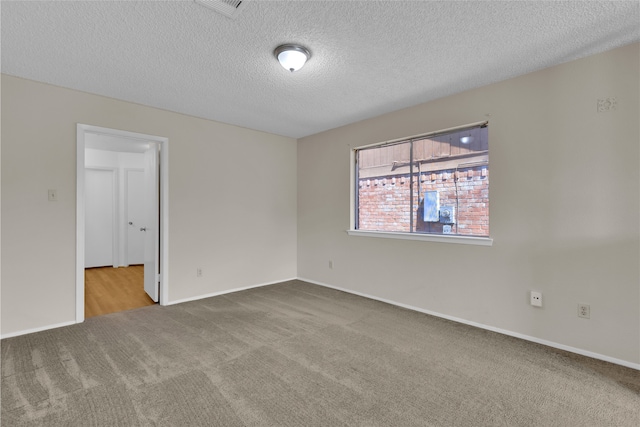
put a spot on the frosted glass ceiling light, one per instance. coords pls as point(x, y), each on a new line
point(292, 56)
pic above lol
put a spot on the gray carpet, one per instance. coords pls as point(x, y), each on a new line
point(296, 354)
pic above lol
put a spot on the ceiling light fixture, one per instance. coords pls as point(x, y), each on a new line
point(292, 56)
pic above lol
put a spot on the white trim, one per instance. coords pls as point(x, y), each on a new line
point(80, 166)
point(228, 291)
point(38, 329)
point(82, 130)
point(353, 196)
point(59, 325)
point(164, 221)
point(442, 238)
point(570, 349)
point(487, 327)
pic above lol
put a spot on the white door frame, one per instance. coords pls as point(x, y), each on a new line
point(82, 130)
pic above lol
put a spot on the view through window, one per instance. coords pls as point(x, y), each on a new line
point(437, 184)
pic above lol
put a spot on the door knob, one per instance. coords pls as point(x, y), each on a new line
point(143, 228)
point(130, 223)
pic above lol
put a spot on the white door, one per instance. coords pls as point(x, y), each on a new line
point(150, 227)
point(135, 217)
point(99, 218)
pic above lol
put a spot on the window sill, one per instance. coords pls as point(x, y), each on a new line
point(463, 240)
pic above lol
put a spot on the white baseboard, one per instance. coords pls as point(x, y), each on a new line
point(407, 306)
point(39, 329)
point(487, 327)
point(59, 325)
point(227, 291)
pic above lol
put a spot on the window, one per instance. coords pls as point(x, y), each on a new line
point(433, 184)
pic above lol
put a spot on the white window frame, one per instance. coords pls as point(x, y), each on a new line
point(439, 238)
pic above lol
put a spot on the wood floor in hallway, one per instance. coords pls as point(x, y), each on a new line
point(109, 290)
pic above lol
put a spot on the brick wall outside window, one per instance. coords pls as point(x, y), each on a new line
point(384, 201)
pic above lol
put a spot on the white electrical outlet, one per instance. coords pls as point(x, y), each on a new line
point(584, 310)
point(536, 299)
point(330, 264)
point(198, 272)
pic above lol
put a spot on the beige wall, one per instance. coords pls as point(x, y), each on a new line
point(232, 200)
point(564, 209)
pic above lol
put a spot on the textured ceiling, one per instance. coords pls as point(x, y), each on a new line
point(368, 58)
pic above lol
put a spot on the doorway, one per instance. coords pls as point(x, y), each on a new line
point(122, 219)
